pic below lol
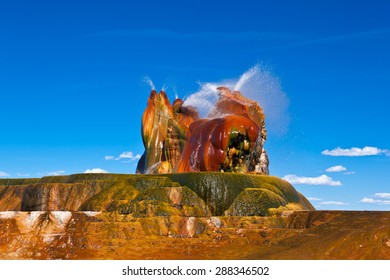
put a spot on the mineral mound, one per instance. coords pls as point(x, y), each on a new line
point(230, 139)
point(198, 177)
point(200, 194)
point(88, 216)
point(178, 216)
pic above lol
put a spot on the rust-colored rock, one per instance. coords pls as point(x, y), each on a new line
point(225, 142)
point(164, 133)
point(230, 139)
point(110, 216)
point(308, 235)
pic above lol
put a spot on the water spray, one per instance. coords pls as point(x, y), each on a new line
point(149, 82)
point(257, 84)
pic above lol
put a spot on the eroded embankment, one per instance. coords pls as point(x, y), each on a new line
point(294, 235)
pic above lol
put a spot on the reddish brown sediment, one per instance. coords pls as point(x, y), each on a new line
point(119, 216)
point(208, 144)
point(234, 103)
point(230, 139)
point(163, 129)
point(309, 235)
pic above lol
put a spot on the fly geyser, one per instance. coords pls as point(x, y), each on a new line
point(204, 192)
point(230, 139)
point(198, 177)
point(220, 157)
point(164, 133)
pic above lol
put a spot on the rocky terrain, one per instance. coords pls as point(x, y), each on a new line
point(37, 215)
point(109, 235)
point(179, 216)
point(184, 194)
point(202, 192)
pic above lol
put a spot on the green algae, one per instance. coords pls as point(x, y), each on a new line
point(183, 194)
point(255, 202)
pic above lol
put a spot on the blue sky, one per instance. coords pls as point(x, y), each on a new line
point(72, 84)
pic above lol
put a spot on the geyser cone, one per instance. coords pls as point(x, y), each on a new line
point(231, 139)
point(163, 132)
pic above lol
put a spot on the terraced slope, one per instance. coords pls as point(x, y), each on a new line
point(188, 194)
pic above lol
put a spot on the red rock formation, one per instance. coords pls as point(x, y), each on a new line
point(230, 139)
point(234, 103)
point(164, 133)
point(218, 144)
point(305, 235)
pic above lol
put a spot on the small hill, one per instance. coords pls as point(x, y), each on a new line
point(206, 193)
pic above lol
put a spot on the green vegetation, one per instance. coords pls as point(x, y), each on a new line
point(146, 196)
point(18, 182)
point(183, 194)
point(255, 202)
point(219, 190)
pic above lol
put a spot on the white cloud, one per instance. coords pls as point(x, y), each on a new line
point(22, 175)
point(53, 173)
point(377, 198)
point(356, 152)
point(333, 203)
point(320, 180)
point(368, 200)
point(375, 201)
point(336, 168)
point(382, 195)
point(95, 170)
point(314, 199)
point(4, 174)
point(349, 173)
point(129, 155)
point(125, 155)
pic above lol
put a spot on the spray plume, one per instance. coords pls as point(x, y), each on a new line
point(257, 84)
point(149, 82)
